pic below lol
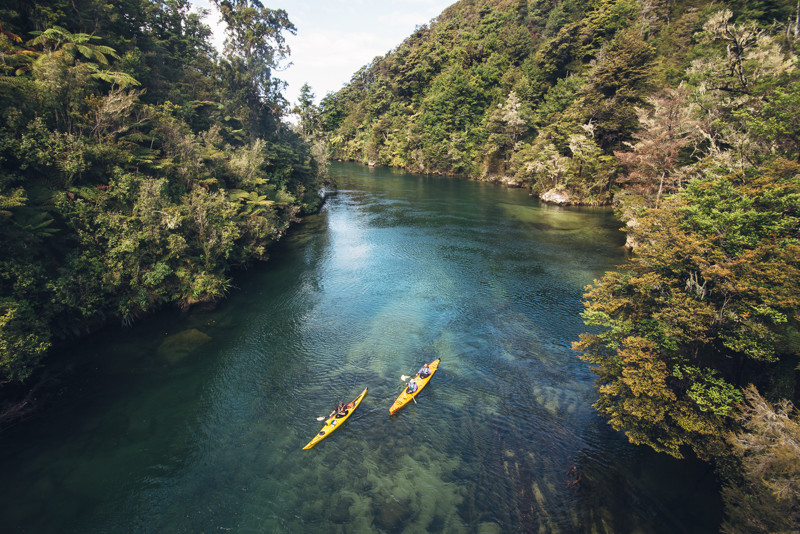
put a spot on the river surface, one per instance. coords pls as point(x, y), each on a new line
point(194, 422)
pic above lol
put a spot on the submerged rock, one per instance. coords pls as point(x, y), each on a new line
point(392, 515)
point(489, 528)
point(339, 513)
point(176, 347)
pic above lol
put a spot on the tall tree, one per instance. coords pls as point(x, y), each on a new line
point(255, 45)
point(616, 86)
point(668, 126)
point(116, 201)
point(307, 111)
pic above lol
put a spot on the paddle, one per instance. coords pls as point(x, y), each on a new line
point(322, 417)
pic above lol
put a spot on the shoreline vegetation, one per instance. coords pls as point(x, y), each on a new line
point(139, 166)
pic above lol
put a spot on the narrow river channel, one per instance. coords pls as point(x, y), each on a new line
point(194, 422)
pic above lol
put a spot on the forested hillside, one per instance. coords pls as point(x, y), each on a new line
point(685, 115)
point(544, 94)
point(137, 165)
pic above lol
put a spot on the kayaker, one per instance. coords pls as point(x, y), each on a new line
point(424, 372)
point(339, 411)
point(412, 386)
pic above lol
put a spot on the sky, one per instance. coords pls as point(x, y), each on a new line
point(337, 37)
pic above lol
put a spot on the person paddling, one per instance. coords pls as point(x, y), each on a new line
point(411, 387)
point(340, 411)
point(424, 372)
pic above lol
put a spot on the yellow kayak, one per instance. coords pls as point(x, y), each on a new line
point(405, 397)
point(335, 422)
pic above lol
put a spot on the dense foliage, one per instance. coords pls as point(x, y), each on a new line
point(706, 313)
point(137, 166)
point(685, 115)
point(542, 94)
point(708, 304)
point(764, 499)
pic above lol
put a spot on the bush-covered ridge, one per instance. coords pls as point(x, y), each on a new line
point(544, 94)
point(137, 165)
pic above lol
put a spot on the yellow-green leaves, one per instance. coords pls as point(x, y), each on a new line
point(711, 289)
point(24, 338)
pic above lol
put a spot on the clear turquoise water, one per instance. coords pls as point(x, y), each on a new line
point(195, 422)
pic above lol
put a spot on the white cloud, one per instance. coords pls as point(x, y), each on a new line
point(213, 20)
point(326, 60)
point(337, 37)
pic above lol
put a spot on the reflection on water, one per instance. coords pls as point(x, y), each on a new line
point(195, 422)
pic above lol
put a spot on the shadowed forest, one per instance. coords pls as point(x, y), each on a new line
point(138, 164)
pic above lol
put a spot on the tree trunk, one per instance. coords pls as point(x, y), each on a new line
point(660, 188)
point(797, 21)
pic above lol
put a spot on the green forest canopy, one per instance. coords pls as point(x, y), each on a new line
point(138, 165)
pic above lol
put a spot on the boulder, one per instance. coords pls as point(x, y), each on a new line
point(508, 181)
point(556, 196)
point(630, 240)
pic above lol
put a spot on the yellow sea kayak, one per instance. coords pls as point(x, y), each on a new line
point(405, 397)
point(335, 422)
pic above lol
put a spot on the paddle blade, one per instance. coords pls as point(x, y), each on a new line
point(321, 418)
point(404, 377)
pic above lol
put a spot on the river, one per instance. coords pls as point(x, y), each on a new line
point(194, 422)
